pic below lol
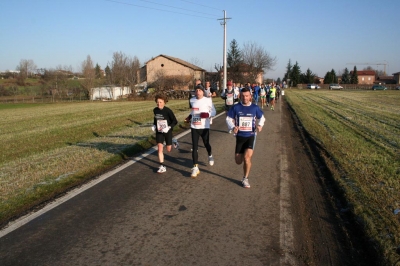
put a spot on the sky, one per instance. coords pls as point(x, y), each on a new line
point(319, 35)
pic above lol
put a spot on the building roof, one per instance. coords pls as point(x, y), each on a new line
point(179, 61)
point(366, 73)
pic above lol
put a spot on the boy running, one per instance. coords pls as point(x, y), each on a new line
point(164, 121)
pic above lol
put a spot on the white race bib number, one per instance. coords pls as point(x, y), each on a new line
point(229, 99)
point(161, 124)
point(245, 123)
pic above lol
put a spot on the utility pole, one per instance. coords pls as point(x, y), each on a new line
point(224, 49)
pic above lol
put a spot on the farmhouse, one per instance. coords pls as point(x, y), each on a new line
point(176, 73)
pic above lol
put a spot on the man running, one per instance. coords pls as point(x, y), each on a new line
point(242, 120)
point(164, 121)
point(202, 110)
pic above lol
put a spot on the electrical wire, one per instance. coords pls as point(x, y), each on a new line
point(201, 5)
point(129, 4)
point(196, 11)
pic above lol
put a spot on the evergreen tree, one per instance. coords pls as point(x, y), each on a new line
point(234, 54)
point(333, 76)
point(278, 81)
point(295, 74)
point(288, 71)
point(97, 71)
point(354, 76)
point(328, 78)
point(346, 76)
point(308, 77)
point(234, 60)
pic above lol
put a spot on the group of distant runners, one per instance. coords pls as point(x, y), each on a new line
point(243, 118)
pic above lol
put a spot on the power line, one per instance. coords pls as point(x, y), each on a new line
point(196, 11)
point(201, 5)
point(129, 4)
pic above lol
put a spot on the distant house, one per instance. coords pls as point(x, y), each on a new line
point(365, 76)
point(396, 77)
point(166, 68)
point(244, 74)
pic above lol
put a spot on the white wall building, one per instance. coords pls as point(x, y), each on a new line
point(110, 92)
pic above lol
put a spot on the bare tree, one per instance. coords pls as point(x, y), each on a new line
point(124, 70)
point(26, 68)
point(257, 59)
point(89, 74)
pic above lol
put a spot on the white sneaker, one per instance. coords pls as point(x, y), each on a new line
point(245, 182)
point(175, 143)
point(162, 169)
point(195, 171)
point(211, 160)
point(230, 131)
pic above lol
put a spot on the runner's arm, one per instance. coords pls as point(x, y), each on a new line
point(230, 122)
point(174, 122)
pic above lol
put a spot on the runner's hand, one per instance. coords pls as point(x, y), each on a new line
point(153, 128)
point(204, 115)
point(165, 130)
point(259, 128)
point(187, 119)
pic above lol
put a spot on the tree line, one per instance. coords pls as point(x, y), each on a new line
point(245, 64)
point(294, 75)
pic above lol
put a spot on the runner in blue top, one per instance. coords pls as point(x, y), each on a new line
point(242, 120)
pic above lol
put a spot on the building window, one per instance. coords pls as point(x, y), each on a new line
point(362, 79)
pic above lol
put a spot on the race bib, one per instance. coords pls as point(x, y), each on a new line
point(196, 119)
point(229, 99)
point(245, 123)
point(161, 124)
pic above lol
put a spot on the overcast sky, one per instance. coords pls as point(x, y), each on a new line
point(319, 34)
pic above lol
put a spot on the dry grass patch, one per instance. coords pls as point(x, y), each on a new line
point(361, 132)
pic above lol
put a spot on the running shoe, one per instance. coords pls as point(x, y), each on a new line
point(175, 143)
point(162, 169)
point(195, 171)
point(230, 131)
point(211, 160)
point(245, 182)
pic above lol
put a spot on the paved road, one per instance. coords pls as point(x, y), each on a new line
point(139, 217)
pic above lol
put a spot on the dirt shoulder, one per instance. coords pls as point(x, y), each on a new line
point(334, 238)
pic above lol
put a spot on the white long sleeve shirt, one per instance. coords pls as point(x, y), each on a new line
point(203, 105)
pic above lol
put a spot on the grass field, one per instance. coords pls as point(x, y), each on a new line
point(360, 131)
point(47, 148)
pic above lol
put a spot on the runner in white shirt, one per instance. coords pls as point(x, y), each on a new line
point(202, 110)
